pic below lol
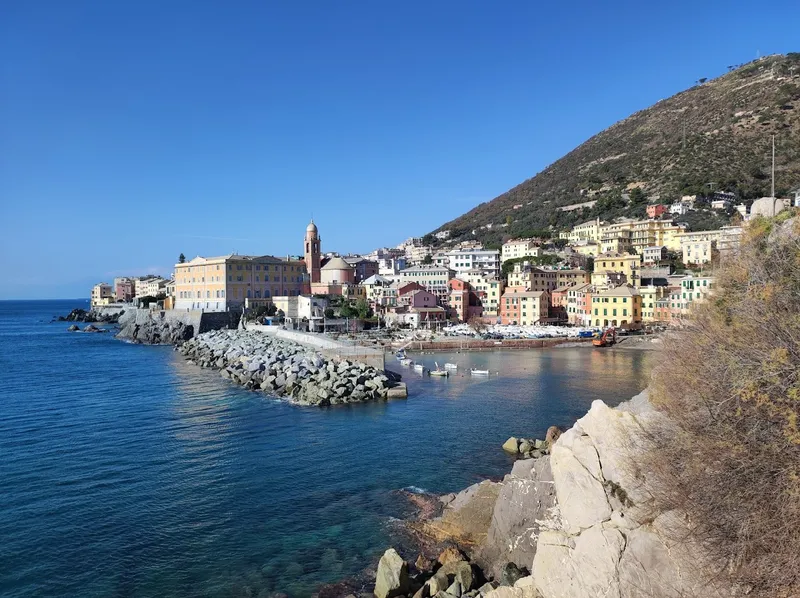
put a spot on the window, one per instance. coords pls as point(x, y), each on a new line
point(230, 278)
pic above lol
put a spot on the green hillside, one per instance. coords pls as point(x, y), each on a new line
point(713, 136)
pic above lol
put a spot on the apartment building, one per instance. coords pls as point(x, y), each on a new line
point(519, 248)
point(465, 260)
point(229, 281)
point(433, 278)
point(616, 263)
point(102, 294)
point(524, 308)
point(618, 307)
point(579, 305)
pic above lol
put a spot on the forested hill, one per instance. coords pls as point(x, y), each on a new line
point(715, 135)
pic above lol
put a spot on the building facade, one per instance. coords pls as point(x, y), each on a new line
point(312, 251)
point(519, 248)
point(524, 308)
point(618, 307)
point(102, 294)
point(432, 278)
point(229, 281)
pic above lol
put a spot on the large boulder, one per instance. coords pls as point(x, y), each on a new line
point(392, 575)
point(511, 445)
point(525, 500)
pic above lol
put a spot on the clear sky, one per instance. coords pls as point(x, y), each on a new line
point(133, 131)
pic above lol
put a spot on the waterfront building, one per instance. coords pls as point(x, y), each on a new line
point(579, 305)
point(302, 311)
point(618, 307)
point(229, 281)
point(123, 289)
point(102, 294)
point(522, 307)
point(151, 287)
point(488, 289)
point(651, 295)
point(465, 303)
point(519, 248)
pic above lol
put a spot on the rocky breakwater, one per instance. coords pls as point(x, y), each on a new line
point(107, 316)
point(287, 369)
point(580, 522)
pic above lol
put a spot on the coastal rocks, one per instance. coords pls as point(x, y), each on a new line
point(527, 495)
point(143, 327)
point(465, 520)
point(283, 368)
point(93, 328)
point(73, 328)
point(602, 537)
point(81, 315)
point(392, 576)
point(531, 447)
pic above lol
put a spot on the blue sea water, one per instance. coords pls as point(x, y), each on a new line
point(126, 472)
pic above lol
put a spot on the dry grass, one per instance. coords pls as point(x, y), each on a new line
point(731, 386)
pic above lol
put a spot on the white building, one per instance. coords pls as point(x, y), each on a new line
point(679, 209)
point(485, 260)
point(518, 248)
point(433, 278)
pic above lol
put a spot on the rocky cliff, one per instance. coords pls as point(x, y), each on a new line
point(581, 521)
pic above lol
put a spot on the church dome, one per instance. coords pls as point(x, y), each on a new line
point(311, 228)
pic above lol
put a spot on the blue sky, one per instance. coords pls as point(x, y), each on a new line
point(133, 131)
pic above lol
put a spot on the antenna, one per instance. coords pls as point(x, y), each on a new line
point(773, 167)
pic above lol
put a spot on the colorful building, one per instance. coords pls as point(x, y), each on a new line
point(524, 308)
point(102, 294)
point(231, 281)
point(579, 305)
point(619, 307)
point(628, 265)
point(519, 248)
point(656, 210)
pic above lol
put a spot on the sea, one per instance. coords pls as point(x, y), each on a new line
point(126, 472)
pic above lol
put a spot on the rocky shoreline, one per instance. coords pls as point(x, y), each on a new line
point(578, 522)
point(93, 316)
point(286, 369)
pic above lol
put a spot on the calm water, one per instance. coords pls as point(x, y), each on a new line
point(126, 472)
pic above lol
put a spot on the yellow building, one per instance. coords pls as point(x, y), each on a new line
point(571, 277)
point(650, 295)
point(586, 231)
point(618, 307)
point(587, 248)
point(617, 263)
point(229, 281)
point(102, 294)
point(532, 278)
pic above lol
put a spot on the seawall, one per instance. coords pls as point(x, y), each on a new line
point(487, 345)
point(326, 346)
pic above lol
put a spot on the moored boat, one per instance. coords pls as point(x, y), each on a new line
point(406, 361)
point(451, 366)
point(477, 372)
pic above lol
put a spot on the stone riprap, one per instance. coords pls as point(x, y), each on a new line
point(287, 369)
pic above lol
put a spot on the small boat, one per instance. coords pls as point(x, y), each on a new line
point(439, 371)
point(401, 354)
point(451, 366)
point(406, 361)
point(476, 372)
point(418, 367)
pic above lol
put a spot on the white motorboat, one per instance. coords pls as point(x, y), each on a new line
point(476, 372)
point(451, 366)
point(418, 367)
point(406, 361)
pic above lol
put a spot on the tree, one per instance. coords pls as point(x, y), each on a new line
point(181, 259)
point(590, 264)
point(428, 259)
point(329, 312)
point(347, 311)
point(363, 309)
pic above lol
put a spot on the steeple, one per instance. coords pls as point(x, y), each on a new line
point(312, 250)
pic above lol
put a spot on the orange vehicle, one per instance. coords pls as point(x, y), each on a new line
point(609, 338)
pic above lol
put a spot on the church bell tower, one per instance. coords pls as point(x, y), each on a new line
point(312, 251)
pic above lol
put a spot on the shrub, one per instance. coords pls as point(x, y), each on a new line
point(730, 384)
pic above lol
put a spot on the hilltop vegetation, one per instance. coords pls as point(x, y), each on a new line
point(713, 136)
